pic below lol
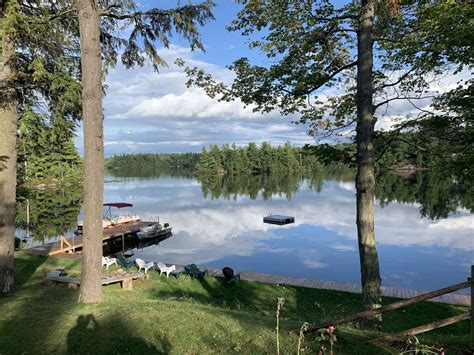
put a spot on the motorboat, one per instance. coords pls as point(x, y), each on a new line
point(154, 230)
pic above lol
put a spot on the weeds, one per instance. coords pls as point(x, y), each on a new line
point(280, 303)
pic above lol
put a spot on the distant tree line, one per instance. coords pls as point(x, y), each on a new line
point(397, 151)
point(149, 162)
point(253, 159)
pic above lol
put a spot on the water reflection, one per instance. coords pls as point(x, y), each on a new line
point(45, 214)
point(127, 245)
point(268, 186)
point(437, 193)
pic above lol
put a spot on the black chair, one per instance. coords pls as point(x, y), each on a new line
point(228, 273)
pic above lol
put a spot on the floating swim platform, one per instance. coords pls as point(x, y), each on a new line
point(278, 219)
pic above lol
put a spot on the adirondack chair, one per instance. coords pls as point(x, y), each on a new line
point(106, 261)
point(195, 272)
point(165, 269)
point(122, 260)
point(141, 264)
point(229, 275)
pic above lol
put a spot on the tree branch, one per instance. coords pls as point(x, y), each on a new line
point(400, 79)
point(326, 79)
point(408, 98)
point(108, 13)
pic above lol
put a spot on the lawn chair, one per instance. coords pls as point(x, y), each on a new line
point(194, 271)
point(106, 261)
point(229, 275)
point(122, 260)
point(166, 269)
point(142, 264)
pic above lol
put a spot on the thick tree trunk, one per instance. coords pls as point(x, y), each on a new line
point(8, 160)
point(91, 289)
point(365, 179)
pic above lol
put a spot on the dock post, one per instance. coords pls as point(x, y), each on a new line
point(123, 240)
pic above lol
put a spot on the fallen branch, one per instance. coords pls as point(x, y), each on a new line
point(393, 306)
point(421, 329)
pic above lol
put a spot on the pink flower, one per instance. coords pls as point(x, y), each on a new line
point(441, 351)
point(330, 329)
point(408, 341)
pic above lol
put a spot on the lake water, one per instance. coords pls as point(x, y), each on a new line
point(218, 223)
point(225, 228)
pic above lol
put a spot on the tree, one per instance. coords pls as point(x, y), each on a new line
point(37, 69)
point(313, 46)
point(8, 119)
point(147, 28)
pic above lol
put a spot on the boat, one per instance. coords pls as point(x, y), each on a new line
point(153, 230)
point(110, 221)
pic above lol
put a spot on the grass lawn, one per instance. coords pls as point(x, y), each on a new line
point(185, 316)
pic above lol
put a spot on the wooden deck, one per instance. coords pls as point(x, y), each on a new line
point(65, 246)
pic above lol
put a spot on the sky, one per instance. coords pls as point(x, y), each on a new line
point(154, 112)
point(150, 112)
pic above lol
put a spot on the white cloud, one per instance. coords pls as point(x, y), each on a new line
point(193, 103)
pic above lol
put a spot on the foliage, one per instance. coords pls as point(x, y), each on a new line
point(45, 60)
point(448, 134)
point(153, 162)
point(52, 212)
point(438, 193)
point(414, 346)
point(46, 82)
point(326, 338)
point(280, 303)
point(250, 160)
point(145, 29)
point(253, 186)
point(310, 47)
point(46, 149)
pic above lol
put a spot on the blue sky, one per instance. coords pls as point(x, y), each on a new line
point(154, 112)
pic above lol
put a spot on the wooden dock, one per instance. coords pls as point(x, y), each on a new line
point(66, 246)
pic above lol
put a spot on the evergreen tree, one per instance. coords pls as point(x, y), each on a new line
point(38, 67)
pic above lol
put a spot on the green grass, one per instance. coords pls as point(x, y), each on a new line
point(187, 316)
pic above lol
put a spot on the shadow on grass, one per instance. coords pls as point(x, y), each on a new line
point(216, 291)
point(25, 267)
point(110, 336)
point(39, 319)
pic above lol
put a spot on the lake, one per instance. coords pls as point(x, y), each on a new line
point(425, 237)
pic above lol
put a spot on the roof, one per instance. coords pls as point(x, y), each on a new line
point(118, 204)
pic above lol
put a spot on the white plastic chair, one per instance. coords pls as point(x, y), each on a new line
point(108, 261)
point(143, 265)
point(166, 269)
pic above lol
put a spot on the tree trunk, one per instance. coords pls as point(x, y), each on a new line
point(91, 289)
point(365, 179)
point(8, 161)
